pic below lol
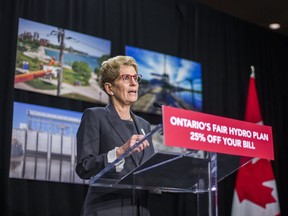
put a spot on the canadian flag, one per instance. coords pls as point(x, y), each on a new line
point(255, 190)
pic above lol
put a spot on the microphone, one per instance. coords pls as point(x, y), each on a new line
point(158, 104)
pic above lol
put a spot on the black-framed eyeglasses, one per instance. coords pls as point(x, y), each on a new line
point(128, 78)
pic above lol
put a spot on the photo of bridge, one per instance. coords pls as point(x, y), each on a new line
point(167, 80)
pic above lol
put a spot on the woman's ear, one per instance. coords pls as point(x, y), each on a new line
point(108, 89)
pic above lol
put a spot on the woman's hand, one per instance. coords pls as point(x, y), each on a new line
point(130, 143)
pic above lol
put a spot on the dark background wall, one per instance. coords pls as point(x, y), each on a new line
point(225, 46)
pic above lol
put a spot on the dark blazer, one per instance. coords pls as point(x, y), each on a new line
point(100, 131)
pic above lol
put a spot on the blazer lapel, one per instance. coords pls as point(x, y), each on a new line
point(118, 127)
point(141, 130)
point(116, 123)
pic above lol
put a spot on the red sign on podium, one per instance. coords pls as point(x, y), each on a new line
point(195, 130)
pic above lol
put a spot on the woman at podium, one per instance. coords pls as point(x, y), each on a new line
point(105, 133)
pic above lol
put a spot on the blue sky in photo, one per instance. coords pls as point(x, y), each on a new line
point(20, 110)
point(94, 46)
point(180, 70)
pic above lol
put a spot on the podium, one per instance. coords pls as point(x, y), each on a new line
point(201, 150)
point(182, 171)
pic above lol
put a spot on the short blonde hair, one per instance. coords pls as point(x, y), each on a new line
point(109, 70)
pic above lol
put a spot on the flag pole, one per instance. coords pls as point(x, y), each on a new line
point(252, 71)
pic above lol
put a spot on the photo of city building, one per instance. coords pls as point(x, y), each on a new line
point(43, 143)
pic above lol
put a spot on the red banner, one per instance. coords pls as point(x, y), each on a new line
point(195, 130)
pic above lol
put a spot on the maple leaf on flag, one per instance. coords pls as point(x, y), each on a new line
point(262, 195)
